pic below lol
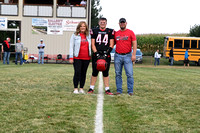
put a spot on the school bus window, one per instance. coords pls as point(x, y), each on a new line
point(194, 44)
point(170, 43)
point(178, 43)
point(199, 44)
point(186, 43)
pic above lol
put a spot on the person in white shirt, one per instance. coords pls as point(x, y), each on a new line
point(83, 3)
point(157, 57)
point(41, 47)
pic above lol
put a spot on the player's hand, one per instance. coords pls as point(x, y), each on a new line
point(133, 58)
point(109, 50)
point(105, 55)
point(97, 54)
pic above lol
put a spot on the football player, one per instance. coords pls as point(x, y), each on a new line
point(102, 39)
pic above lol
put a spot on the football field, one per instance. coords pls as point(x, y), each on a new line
point(39, 98)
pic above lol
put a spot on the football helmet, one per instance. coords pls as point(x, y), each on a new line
point(101, 65)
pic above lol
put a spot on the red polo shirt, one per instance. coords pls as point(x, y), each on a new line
point(124, 40)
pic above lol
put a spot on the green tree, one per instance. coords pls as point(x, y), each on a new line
point(95, 9)
point(195, 31)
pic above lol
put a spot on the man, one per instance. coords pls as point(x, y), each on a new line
point(186, 59)
point(102, 44)
point(126, 47)
point(18, 51)
point(6, 50)
point(171, 56)
point(67, 3)
point(83, 3)
point(41, 47)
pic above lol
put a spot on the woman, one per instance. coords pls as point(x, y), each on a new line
point(186, 60)
point(79, 54)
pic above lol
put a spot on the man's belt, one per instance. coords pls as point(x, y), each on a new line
point(123, 53)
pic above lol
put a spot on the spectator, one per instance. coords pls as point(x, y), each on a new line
point(125, 42)
point(10, 1)
point(83, 3)
point(6, 50)
point(171, 56)
point(18, 51)
point(102, 45)
point(157, 57)
point(80, 52)
point(186, 60)
point(41, 47)
point(67, 3)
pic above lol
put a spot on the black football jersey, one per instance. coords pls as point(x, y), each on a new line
point(102, 38)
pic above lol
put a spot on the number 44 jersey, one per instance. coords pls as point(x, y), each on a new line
point(102, 38)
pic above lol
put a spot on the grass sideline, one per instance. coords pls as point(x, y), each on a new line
point(166, 100)
point(38, 98)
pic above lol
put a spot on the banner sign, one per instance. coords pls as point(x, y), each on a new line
point(39, 26)
point(55, 27)
point(3, 23)
point(70, 25)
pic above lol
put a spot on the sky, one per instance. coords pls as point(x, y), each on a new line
point(152, 16)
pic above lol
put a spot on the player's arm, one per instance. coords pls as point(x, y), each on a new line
point(112, 42)
point(94, 49)
point(134, 45)
point(93, 37)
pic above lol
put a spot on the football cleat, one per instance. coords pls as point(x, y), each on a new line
point(90, 91)
point(108, 92)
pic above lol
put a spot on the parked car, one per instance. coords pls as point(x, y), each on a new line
point(138, 55)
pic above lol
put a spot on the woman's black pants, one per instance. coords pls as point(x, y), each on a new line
point(80, 70)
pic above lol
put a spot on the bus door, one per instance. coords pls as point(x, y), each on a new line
point(165, 46)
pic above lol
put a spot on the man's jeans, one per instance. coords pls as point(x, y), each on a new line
point(6, 57)
point(157, 60)
point(20, 57)
point(120, 61)
point(172, 61)
point(41, 55)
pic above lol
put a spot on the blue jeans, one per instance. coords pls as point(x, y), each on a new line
point(6, 57)
point(157, 60)
point(41, 55)
point(172, 61)
point(20, 57)
point(120, 61)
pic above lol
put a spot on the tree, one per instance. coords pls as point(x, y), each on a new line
point(195, 31)
point(95, 9)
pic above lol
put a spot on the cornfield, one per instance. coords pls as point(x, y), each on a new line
point(149, 43)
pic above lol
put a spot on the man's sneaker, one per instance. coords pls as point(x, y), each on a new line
point(75, 92)
point(81, 91)
point(90, 91)
point(130, 94)
point(117, 93)
point(108, 92)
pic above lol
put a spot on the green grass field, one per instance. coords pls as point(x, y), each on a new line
point(38, 98)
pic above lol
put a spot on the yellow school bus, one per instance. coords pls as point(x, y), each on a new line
point(180, 44)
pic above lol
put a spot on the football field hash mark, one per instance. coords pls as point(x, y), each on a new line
point(99, 110)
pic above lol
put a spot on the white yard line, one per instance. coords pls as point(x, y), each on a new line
point(99, 110)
